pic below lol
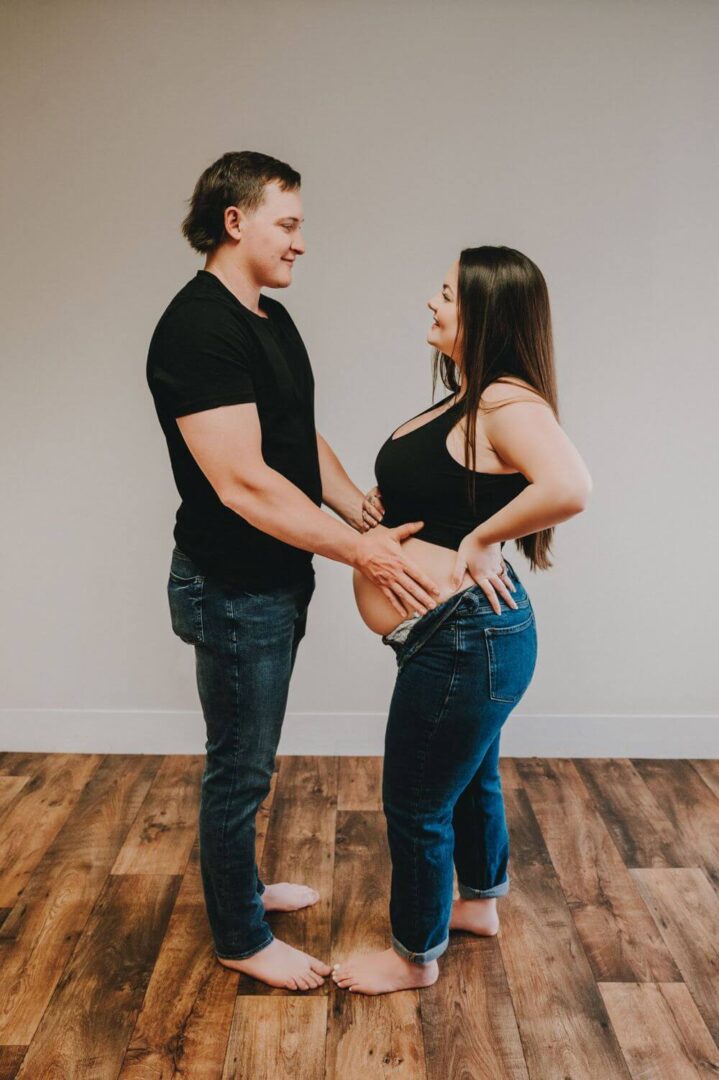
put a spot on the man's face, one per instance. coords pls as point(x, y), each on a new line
point(271, 237)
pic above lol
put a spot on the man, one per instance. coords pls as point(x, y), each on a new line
point(234, 393)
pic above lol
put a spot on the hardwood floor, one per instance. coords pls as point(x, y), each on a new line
point(606, 964)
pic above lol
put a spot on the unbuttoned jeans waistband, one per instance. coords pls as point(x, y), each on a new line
point(407, 638)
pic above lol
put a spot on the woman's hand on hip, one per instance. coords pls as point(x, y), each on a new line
point(486, 567)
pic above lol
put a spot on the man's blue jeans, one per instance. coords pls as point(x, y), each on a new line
point(245, 648)
point(462, 669)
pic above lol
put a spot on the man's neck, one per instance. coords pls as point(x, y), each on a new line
point(234, 279)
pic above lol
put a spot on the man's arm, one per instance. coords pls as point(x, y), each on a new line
point(226, 443)
point(338, 491)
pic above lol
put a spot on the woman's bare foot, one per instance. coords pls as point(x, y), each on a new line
point(477, 916)
point(278, 964)
point(286, 897)
point(383, 972)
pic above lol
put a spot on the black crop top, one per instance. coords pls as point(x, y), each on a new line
point(419, 480)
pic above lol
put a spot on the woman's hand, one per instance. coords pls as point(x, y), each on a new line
point(485, 565)
point(372, 509)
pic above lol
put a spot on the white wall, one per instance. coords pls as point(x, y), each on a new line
point(583, 133)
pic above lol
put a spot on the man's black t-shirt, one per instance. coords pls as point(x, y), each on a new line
point(208, 350)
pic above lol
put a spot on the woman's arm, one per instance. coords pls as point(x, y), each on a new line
point(526, 435)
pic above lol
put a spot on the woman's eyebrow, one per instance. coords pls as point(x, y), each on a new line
point(447, 287)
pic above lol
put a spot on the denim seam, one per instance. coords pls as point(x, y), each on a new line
point(233, 633)
point(201, 603)
point(252, 952)
point(418, 788)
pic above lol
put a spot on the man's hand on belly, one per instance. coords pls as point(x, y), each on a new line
point(381, 560)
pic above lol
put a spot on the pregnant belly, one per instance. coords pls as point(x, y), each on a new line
point(435, 561)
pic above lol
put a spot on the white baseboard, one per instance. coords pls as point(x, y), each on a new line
point(141, 731)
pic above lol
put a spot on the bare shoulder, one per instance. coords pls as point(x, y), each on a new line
point(511, 390)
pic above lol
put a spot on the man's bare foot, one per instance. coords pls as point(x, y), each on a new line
point(477, 916)
point(280, 965)
point(286, 897)
point(383, 972)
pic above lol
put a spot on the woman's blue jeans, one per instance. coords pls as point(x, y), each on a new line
point(461, 670)
point(245, 648)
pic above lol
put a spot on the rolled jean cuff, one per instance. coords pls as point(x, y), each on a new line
point(419, 957)
point(250, 952)
point(468, 893)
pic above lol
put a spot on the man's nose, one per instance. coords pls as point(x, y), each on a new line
point(298, 244)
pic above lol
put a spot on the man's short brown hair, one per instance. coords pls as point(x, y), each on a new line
point(237, 178)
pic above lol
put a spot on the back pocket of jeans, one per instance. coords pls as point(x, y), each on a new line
point(511, 655)
point(185, 597)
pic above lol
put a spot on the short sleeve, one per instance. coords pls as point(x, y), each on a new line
point(201, 357)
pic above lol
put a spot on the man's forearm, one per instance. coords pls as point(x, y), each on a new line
point(537, 507)
point(270, 502)
point(338, 491)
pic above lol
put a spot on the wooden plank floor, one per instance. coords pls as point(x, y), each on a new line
point(606, 964)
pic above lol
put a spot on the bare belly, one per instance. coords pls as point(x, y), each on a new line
point(437, 562)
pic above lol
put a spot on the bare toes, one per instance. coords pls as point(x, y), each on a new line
point(320, 968)
point(291, 984)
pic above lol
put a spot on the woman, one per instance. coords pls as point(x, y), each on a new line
point(488, 464)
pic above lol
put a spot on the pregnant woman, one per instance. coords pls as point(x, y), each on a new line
point(488, 464)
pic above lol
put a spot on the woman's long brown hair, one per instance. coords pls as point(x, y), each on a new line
point(504, 329)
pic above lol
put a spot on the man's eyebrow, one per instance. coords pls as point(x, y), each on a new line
point(288, 217)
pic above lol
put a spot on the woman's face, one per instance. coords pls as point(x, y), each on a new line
point(443, 305)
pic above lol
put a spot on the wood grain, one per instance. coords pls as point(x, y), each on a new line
point(86, 1025)
point(619, 936)
point(660, 1031)
point(368, 1037)
point(686, 910)
point(562, 1018)
point(38, 936)
point(606, 964)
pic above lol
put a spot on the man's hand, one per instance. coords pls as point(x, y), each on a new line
point(380, 559)
point(485, 565)
point(372, 509)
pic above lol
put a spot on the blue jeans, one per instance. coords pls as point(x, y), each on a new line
point(461, 671)
point(245, 648)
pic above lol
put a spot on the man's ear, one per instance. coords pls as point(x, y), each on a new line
point(235, 220)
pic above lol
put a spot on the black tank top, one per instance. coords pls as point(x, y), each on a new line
point(419, 480)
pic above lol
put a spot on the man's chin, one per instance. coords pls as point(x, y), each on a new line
point(281, 282)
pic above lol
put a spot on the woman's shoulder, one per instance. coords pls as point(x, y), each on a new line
point(509, 389)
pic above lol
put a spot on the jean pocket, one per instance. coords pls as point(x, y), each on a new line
point(185, 598)
point(511, 655)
